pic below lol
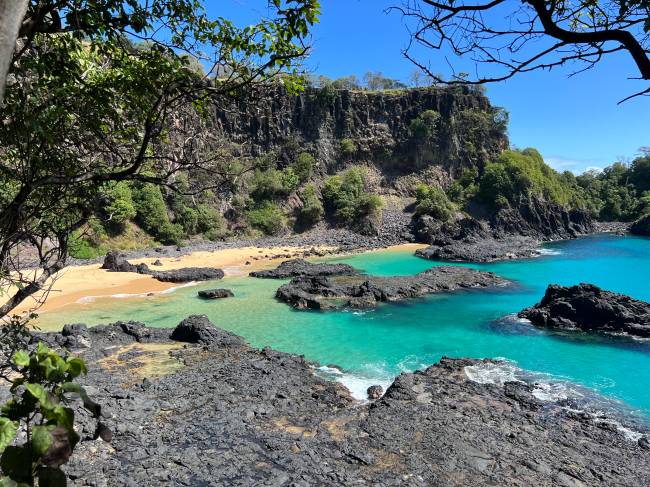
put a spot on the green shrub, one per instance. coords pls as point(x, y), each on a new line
point(81, 247)
point(117, 204)
point(290, 180)
point(152, 214)
point(424, 127)
point(348, 147)
point(312, 210)
point(211, 223)
point(346, 199)
point(268, 218)
point(431, 200)
point(304, 166)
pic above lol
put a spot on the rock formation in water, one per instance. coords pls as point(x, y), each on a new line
point(508, 233)
point(587, 307)
point(302, 268)
point(360, 291)
point(215, 293)
point(114, 262)
point(641, 227)
point(224, 413)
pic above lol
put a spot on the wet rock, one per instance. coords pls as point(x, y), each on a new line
point(375, 392)
point(641, 227)
point(216, 294)
point(303, 268)
point(587, 307)
point(360, 291)
point(189, 274)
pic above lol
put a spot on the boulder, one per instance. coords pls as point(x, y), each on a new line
point(189, 274)
point(116, 262)
point(375, 392)
point(587, 307)
point(302, 268)
point(199, 329)
point(216, 294)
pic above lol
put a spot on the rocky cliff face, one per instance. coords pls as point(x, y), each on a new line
point(469, 130)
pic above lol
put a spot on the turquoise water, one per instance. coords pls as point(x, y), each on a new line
point(374, 346)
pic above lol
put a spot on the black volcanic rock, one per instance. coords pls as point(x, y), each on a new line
point(216, 294)
point(641, 226)
point(367, 291)
point(188, 274)
point(303, 268)
point(199, 329)
point(115, 262)
point(239, 416)
point(589, 308)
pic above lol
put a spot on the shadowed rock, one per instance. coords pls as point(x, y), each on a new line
point(360, 291)
point(199, 329)
point(641, 226)
point(115, 262)
point(216, 294)
point(302, 268)
point(589, 308)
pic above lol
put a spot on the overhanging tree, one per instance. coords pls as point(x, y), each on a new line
point(107, 90)
point(505, 38)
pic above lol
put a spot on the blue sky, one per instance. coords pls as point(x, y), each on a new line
point(574, 122)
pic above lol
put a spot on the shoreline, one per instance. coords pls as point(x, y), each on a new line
point(76, 282)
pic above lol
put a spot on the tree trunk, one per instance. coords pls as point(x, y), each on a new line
point(12, 13)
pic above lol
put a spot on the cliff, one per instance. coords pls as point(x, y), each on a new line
point(469, 130)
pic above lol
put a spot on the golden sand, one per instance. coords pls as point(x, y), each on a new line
point(77, 282)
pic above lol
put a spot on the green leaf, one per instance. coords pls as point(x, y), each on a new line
point(41, 440)
point(21, 359)
point(8, 431)
point(16, 463)
point(39, 392)
point(76, 366)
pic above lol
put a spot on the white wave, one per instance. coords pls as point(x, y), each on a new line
point(492, 373)
point(357, 384)
point(547, 251)
point(90, 299)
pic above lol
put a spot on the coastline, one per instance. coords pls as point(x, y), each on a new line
point(76, 282)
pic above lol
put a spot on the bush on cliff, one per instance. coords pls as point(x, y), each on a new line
point(312, 210)
point(431, 200)
point(152, 214)
point(424, 127)
point(267, 217)
point(347, 200)
point(304, 166)
point(518, 175)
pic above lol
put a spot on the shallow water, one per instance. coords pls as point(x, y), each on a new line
point(374, 346)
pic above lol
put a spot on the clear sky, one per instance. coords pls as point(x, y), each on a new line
point(575, 122)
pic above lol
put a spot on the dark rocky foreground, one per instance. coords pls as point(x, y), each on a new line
point(302, 268)
point(116, 262)
point(587, 307)
point(360, 291)
point(222, 413)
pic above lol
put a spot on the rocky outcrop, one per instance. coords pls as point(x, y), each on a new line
point(510, 233)
point(641, 227)
point(115, 262)
point(238, 416)
point(587, 307)
point(199, 329)
point(368, 291)
point(215, 294)
point(303, 268)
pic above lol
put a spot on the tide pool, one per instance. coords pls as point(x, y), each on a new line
point(374, 346)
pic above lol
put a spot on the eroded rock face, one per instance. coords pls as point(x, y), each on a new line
point(115, 262)
point(587, 307)
point(641, 226)
point(510, 233)
point(238, 416)
point(303, 268)
point(367, 291)
point(216, 294)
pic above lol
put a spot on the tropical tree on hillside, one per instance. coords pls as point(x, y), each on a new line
point(104, 91)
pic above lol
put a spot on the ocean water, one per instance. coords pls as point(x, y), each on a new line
point(373, 346)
